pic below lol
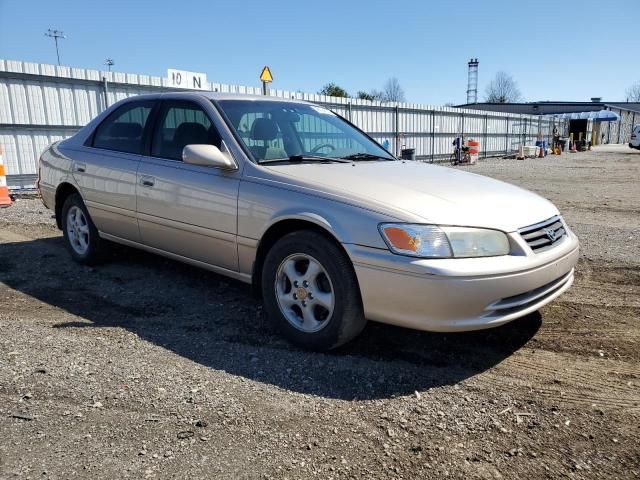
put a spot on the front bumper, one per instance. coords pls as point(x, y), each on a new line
point(449, 295)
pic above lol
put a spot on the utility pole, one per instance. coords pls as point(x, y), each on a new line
point(109, 63)
point(56, 34)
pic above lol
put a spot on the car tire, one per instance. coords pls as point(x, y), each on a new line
point(310, 291)
point(81, 235)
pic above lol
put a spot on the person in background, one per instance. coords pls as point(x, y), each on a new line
point(459, 147)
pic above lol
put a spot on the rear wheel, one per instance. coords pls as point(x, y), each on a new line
point(80, 234)
point(311, 292)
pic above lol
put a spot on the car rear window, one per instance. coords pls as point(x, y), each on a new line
point(122, 130)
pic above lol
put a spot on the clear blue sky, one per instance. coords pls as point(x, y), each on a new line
point(556, 50)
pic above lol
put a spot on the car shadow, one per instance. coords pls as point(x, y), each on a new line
point(216, 322)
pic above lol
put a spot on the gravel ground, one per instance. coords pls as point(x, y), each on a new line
point(147, 368)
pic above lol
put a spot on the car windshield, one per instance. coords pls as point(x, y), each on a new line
point(289, 131)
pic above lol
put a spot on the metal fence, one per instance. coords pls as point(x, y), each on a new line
point(40, 104)
point(620, 131)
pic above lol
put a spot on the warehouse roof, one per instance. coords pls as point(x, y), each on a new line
point(550, 107)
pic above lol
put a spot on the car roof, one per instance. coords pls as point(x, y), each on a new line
point(214, 96)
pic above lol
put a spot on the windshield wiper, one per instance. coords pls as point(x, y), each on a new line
point(365, 156)
point(303, 158)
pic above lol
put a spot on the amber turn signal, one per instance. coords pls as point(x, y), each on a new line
point(400, 239)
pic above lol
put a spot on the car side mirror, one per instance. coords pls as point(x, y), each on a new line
point(208, 156)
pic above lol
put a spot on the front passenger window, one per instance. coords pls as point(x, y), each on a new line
point(180, 124)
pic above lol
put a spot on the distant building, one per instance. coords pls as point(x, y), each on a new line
point(595, 131)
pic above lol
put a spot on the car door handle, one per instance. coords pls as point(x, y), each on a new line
point(147, 181)
point(80, 167)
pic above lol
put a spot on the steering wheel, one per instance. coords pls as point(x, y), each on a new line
point(320, 147)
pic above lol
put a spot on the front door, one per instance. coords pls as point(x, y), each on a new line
point(188, 210)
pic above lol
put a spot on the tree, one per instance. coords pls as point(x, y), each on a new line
point(633, 92)
point(392, 91)
point(373, 95)
point(333, 90)
point(377, 95)
point(502, 89)
point(365, 96)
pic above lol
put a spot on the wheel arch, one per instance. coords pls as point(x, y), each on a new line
point(282, 227)
point(62, 193)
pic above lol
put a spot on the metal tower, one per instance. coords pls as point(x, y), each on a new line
point(472, 81)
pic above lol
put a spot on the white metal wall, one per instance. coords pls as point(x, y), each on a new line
point(40, 104)
point(619, 132)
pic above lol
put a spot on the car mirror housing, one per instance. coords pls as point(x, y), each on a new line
point(208, 156)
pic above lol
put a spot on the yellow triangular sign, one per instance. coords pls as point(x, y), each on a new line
point(266, 76)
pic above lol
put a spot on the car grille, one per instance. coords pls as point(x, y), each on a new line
point(544, 235)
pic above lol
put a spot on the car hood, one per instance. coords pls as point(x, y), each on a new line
point(419, 192)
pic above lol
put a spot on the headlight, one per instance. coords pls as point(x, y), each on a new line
point(431, 241)
point(477, 242)
point(416, 240)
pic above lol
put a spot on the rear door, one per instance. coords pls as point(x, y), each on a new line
point(188, 210)
point(106, 171)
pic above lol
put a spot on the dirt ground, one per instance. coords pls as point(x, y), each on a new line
point(147, 368)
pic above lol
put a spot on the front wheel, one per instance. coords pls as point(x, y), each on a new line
point(310, 291)
point(453, 159)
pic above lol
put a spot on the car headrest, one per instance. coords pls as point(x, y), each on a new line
point(264, 129)
point(189, 133)
point(125, 130)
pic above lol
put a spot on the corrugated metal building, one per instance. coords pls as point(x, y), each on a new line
point(40, 104)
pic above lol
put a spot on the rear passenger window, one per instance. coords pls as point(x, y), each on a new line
point(182, 123)
point(122, 130)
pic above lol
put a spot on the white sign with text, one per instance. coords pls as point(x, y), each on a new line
point(185, 79)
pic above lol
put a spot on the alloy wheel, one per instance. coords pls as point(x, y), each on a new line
point(78, 230)
point(304, 292)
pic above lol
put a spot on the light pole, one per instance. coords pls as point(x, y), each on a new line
point(109, 63)
point(56, 34)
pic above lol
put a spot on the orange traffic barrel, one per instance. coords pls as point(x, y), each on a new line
point(5, 199)
point(474, 147)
